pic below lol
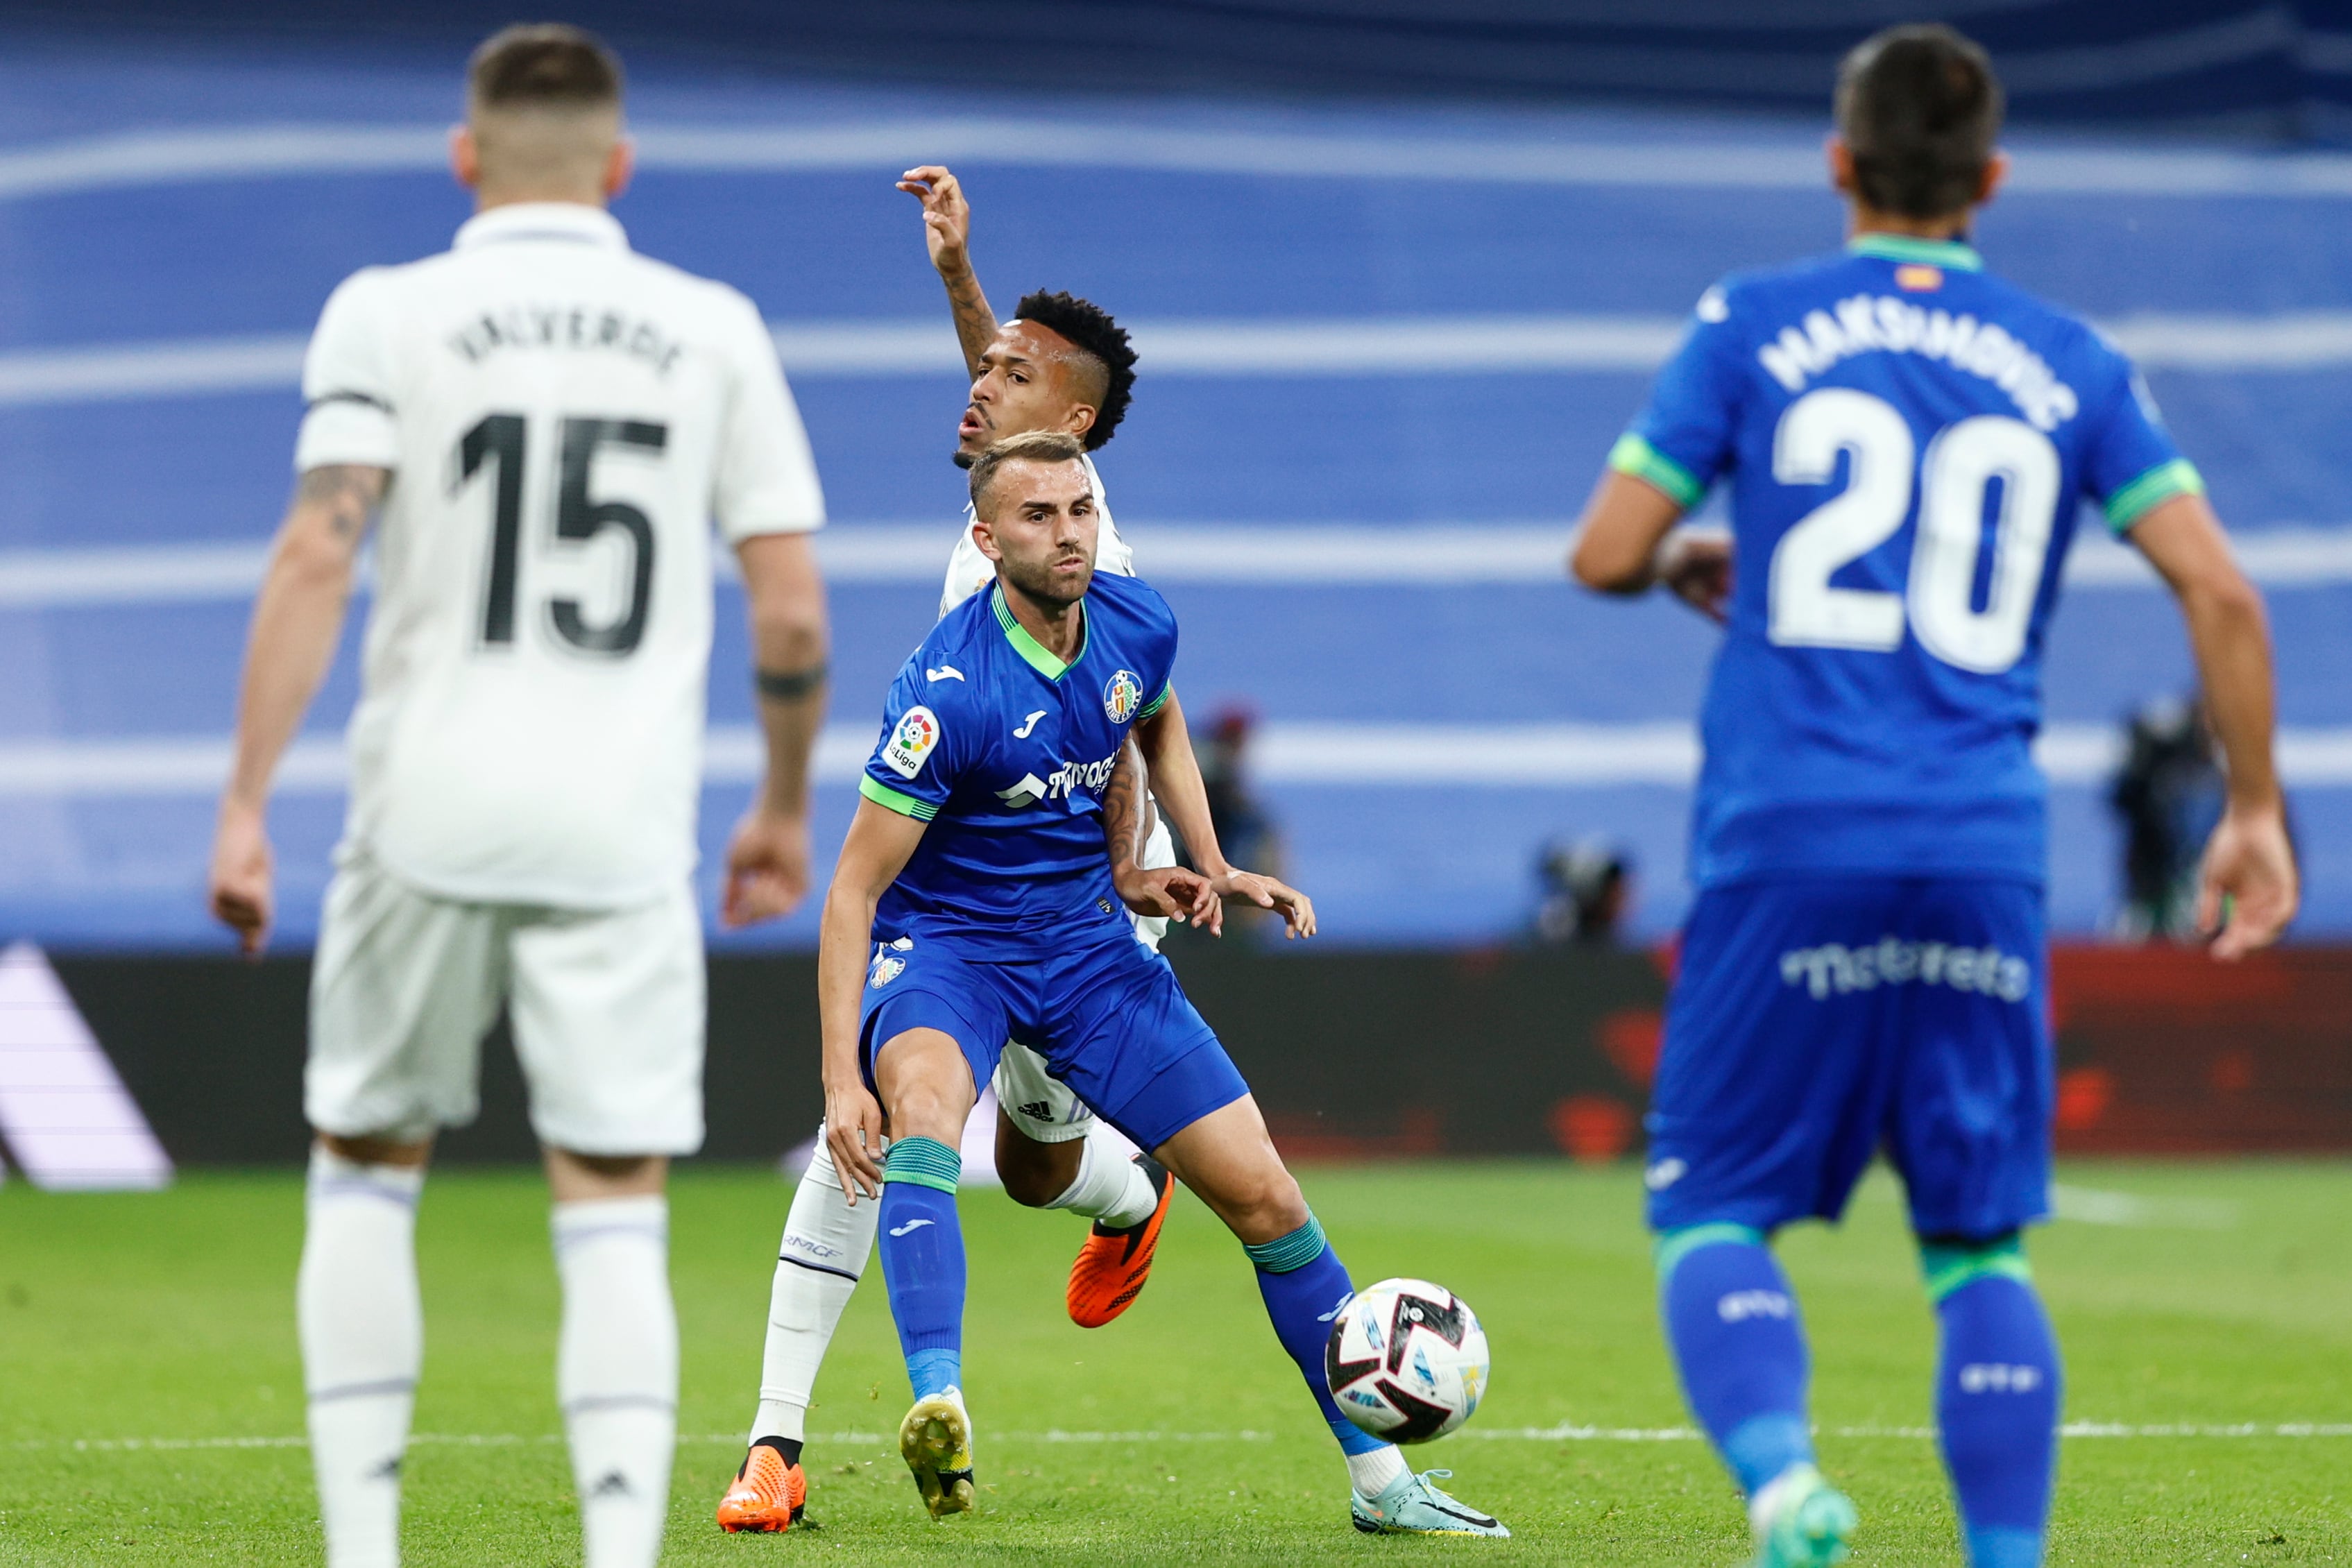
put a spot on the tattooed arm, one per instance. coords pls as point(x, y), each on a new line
point(1169, 891)
point(298, 618)
point(947, 231)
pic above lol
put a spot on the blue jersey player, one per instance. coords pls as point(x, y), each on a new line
point(1906, 441)
point(974, 903)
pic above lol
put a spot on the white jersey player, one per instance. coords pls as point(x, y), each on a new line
point(546, 425)
point(1060, 365)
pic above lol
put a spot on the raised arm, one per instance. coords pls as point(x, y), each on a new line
point(947, 232)
point(768, 858)
point(879, 844)
point(298, 618)
point(1183, 797)
point(2247, 889)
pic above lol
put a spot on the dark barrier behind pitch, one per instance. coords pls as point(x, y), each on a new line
point(1353, 1053)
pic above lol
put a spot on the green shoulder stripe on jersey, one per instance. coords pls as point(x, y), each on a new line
point(1631, 455)
point(1948, 253)
point(1947, 1268)
point(925, 1162)
point(2151, 489)
point(1039, 657)
point(904, 804)
point(1157, 703)
point(1674, 1246)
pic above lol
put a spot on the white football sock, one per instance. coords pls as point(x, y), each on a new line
point(617, 1372)
point(826, 1249)
point(363, 1332)
point(1374, 1473)
point(1108, 1188)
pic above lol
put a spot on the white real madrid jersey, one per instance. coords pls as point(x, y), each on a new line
point(562, 418)
point(968, 571)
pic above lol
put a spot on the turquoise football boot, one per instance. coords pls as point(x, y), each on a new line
point(1413, 1505)
point(1801, 1521)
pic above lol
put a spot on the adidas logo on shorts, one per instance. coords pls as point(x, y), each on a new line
point(1038, 1110)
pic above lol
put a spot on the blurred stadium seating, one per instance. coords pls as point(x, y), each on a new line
point(1384, 351)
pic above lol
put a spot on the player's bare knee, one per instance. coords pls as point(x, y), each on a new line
point(1260, 1204)
point(575, 1177)
point(1034, 1173)
point(926, 1085)
point(378, 1150)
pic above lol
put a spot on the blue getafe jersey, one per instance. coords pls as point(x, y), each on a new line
point(1005, 751)
point(1907, 441)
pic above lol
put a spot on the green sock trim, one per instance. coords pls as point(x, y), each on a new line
point(1674, 1246)
point(1287, 1253)
point(926, 1161)
point(1947, 1268)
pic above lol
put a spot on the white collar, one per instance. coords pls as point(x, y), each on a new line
point(574, 221)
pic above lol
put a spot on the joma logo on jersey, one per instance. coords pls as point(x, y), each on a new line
point(1070, 777)
point(1122, 695)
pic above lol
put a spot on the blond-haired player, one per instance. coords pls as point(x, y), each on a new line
point(1061, 364)
point(544, 425)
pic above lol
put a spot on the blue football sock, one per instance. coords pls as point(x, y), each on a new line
point(1731, 1320)
point(922, 1260)
point(1997, 1384)
point(1304, 1282)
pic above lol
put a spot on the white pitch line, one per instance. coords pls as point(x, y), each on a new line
point(1212, 349)
point(1662, 754)
point(1565, 1433)
point(188, 155)
point(1423, 555)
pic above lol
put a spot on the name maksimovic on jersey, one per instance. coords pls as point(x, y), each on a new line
point(1868, 321)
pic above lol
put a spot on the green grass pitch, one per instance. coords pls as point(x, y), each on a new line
point(151, 1401)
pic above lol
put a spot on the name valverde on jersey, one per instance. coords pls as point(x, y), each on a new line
point(562, 419)
point(1005, 749)
point(1907, 442)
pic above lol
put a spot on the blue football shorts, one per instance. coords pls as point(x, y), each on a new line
point(1107, 1014)
point(1814, 1022)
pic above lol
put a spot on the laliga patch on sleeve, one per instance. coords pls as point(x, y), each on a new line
point(917, 736)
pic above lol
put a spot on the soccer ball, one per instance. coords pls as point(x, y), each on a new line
point(1407, 1360)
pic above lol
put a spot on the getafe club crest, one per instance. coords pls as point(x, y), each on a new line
point(916, 737)
point(1122, 696)
point(887, 964)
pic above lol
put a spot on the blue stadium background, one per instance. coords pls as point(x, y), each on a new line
point(1385, 348)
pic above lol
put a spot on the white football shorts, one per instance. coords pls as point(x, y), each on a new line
point(1041, 1106)
point(607, 1009)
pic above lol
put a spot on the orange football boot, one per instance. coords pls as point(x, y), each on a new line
point(1114, 1265)
point(770, 1494)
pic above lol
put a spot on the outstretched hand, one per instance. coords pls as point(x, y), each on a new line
point(2246, 888)
point(853, 1135)
point(1171, 893)
point(1296, 909)
point(947, 217)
